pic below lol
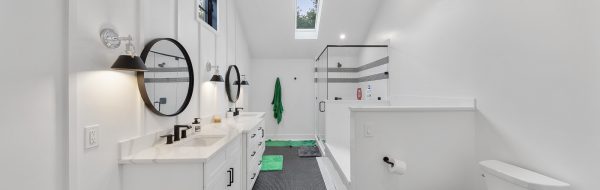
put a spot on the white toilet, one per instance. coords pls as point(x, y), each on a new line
point(502, 176)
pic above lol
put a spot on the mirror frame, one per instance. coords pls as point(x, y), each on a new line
point(227, 84)
point(142, 85)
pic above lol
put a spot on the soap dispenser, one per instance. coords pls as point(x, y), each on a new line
point(196, 125)
point(229, 113)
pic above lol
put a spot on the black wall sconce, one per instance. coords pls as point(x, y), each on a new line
point(129, 61)
point(244, 81)
point(216, 76)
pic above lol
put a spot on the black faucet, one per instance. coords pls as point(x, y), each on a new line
point(183, 133)
point(237, 111)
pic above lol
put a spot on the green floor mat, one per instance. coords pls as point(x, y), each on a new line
point(272, 163)
point(284, 143)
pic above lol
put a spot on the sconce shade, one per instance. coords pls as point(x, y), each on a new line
point(245, 82)
point(217, 78)
point(129, 63)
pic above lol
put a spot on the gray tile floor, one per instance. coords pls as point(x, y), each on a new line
point(298, 173)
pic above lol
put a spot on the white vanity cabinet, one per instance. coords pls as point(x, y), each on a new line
point(252, 150)
point(220, 172)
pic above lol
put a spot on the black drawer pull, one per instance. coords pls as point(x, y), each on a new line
point(253, 153)
point(259, 162)
point(253, 176)
point(253, 135)
point(260, 143)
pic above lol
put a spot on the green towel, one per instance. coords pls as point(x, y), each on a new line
point(272, 163)
point(277, 105)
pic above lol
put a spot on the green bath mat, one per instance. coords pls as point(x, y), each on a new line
point(272, 163)
point(284, 143)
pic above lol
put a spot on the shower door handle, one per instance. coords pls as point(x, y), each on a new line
point(322, 106)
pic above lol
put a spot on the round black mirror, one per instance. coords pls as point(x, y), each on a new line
point(168, 84)
point(232, 83)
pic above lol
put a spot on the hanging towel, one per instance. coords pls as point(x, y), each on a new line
point(277, 105)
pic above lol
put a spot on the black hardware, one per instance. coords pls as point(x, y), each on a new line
point(263, 133)
point(184, 134)
point(322, 106)
point(229, 172)
point(169, 138)
point(259, 162)
point(260, 143)
point(196, 121)
point(387, 160)
point(177, 132)
point(253, 153)
point(253, 135)
point(232, 176)
point(237, 111)
point(253, 176)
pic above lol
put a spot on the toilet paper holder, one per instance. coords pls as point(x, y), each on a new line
point(387, 161)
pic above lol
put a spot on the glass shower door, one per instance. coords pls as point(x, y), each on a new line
point(320, 96)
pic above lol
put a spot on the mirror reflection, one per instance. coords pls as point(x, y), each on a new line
point(232, 83)
point(168, 83)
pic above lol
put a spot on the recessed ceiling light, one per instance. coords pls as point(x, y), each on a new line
point(342, 36)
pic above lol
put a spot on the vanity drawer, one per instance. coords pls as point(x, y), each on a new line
point(252, 179)
point(255, 162)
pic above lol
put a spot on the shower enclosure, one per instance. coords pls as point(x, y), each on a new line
point(346, 76)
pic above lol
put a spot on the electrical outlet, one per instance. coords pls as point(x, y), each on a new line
point(91, 136)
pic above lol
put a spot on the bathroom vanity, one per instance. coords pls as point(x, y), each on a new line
point(225, 156)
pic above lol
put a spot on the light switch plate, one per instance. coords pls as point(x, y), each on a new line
point(91, 136)
point(368, 130)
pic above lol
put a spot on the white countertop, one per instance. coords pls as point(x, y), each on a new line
point(182, 152)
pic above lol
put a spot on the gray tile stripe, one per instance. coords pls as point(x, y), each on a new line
point(342, 80)
point(373, 64)
point(344, 70)
point(170, 69)
point(166, 80)
point(374, 77)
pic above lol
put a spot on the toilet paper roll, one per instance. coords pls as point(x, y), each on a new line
point(399, 167)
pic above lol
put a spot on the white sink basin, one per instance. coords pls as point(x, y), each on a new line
point(201, 141)
point(252, 114)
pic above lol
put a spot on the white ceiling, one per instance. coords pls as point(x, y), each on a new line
point(270, 26)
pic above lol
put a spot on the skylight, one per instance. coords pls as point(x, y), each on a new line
point(307, 18)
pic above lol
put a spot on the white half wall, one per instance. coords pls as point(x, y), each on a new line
point(298, 96)
point(533, 67)
point(34, 95)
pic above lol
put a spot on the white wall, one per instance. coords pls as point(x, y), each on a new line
point(99, 95)
point(34, 95)
point(532, 65)
point(297, 96)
